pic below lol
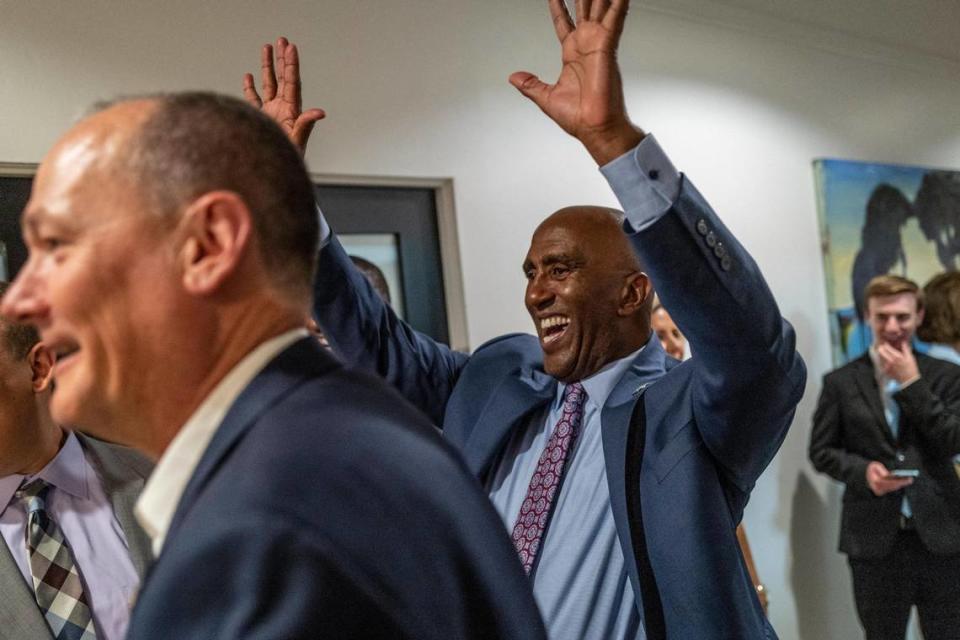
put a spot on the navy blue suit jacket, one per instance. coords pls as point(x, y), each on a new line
point(682, 454)
point(315, 513)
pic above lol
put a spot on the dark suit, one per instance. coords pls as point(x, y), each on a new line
point(681, 455)
point(314, 513)
point(122, 473)
point(849, 431)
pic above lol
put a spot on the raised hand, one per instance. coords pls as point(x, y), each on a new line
point(282, 101)
point(587, 99)
point(899, 364)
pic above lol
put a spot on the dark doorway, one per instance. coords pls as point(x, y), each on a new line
point(408, 214)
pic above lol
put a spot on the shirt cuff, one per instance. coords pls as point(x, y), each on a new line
point(324, 228)
point(645, 182)
point(903, 385)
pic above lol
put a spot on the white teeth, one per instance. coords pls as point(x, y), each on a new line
point(554, 321)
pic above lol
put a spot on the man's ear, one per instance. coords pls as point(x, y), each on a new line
point(215, 233)
point(41, 361)
point(636, 294)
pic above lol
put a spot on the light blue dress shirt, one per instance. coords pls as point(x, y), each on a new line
point(79, 505)
point(943, 352)
point(580, 581)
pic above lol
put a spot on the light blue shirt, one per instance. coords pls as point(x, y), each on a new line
point(580, 581)
point(943, 352)
point(891, 410)
point(79, 505)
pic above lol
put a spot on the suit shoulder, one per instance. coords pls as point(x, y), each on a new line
point(843, 372)
point(349, 440)
point(339, 419)
point(512, 350)
point(938, 366)
point(116, 460)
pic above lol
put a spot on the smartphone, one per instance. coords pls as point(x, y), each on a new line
point(905, 473)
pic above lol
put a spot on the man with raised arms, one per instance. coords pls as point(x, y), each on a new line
point(620, 474)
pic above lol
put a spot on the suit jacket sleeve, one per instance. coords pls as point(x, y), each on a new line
point(367, 334)
point(935, 415)
point(827, 451)
point(749, 376)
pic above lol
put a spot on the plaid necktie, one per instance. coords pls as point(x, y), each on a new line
point(535, 511)
point(56, 579)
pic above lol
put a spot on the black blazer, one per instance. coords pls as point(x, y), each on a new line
point(850, 431)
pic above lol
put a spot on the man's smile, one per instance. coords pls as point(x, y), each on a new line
point(552, 328)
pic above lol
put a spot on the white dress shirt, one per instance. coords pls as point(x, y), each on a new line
point(159, 500)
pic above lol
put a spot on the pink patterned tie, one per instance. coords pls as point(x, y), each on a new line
point(535, 510)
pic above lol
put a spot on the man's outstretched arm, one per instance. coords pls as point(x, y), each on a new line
point(362, 329)
point(749, 375)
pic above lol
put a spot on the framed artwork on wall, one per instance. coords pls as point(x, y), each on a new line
point(877, 219)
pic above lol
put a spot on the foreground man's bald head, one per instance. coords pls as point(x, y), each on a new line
point(140, 217)
point(172, 244)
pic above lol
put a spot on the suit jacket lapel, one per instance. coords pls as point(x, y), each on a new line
point(124, 498)
point(303, 359)
point(867, 384)
point(123, 474)
point(615, 419)
point(20, 616)
point(514, 398)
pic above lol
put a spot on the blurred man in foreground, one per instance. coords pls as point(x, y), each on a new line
point(172, 250)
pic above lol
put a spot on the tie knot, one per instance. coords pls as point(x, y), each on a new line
point(573, 397)
point(33, 495)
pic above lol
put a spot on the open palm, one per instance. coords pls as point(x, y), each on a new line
point(282, 100)
point(587, 100)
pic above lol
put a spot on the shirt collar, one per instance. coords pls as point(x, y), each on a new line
point(600, 385)
point(67, 472)
point(161, 495)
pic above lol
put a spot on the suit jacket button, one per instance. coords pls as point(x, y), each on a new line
point(720, 251)
point(702, 228)
point(726, 263)
point(711, 239)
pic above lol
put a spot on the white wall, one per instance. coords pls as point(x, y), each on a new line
point(419, 89)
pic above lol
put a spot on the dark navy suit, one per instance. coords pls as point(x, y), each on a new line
point(316, 512)
point(681, 454)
